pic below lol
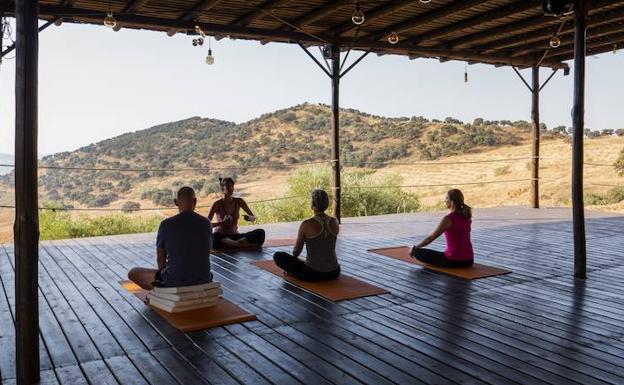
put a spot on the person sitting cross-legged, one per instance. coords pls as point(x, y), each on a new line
point(227, 210)
point(183, 248)
point(456, 229)
point(319, 235)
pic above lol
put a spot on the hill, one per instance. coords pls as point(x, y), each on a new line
point(275, 140)
point(5, 159)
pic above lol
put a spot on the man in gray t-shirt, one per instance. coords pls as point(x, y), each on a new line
point(183, 247)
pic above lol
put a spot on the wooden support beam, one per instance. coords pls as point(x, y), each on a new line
point(260, 11)
point(535, 138)
point(434, 15)
point(335, 127)
point(604, 21)
point(202, 6)
point(26, 228)
point(578, 125)
point(506, 11)
point(370, 15)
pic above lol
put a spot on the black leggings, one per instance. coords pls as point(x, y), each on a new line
point(254, 237)
point(438, 258)
point(296, 267)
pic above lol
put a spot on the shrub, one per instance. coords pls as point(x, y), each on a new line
point(503, 170)
point(365, 193)
point(61, 225)
point(130, 206)
point(615, 195)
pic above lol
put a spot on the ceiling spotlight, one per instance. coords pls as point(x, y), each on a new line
point(171, 32)
point(117, 27)
point(358, 16)
point(393, 38)
point(555, 42)
point(425, 1)
point(58, 22)
point(109, 20)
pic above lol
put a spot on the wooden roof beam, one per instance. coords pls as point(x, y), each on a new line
point(513, 28)
point(524, 40)
point(319, 13)
point(134, 6)
point(370, 15)
point(453, 54)
point(156, 23)
point(202, 6)
point(516, 8)
point(564, 52)
point(258, 12)
point(438, 13)
point(592, 33)
point(607, 47)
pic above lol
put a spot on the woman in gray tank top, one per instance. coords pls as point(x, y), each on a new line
point(319, 235)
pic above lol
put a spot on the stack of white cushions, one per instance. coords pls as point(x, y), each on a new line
point(177, 299)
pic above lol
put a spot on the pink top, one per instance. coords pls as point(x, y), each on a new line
point(232, 226)
point(458, 245)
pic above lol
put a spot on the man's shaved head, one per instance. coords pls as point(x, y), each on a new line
point(185, 193)
point(185, 199)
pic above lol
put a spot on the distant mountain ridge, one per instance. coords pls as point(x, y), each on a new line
point(6, 159)
point(275, 140)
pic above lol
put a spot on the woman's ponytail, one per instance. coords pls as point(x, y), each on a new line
point(457, 197)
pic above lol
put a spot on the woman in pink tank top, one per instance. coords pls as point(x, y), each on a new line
point(456, 228)
point(227, 211)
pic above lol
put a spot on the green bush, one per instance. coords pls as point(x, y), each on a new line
point(364, 193)
point(615, 195)
point(61, 225)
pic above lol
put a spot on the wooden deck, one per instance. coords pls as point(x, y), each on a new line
point(536, 325)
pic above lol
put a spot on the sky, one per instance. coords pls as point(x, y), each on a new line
point(95, 84)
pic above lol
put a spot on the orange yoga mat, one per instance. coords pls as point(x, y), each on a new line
point(223, 313)
point(473, 272)
point(344, 287)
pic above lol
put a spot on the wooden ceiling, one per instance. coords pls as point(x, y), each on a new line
point(499, 32)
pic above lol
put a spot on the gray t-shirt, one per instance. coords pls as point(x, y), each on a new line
point(187, 239)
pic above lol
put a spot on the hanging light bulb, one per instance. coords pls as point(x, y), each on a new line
point(393, 38)
point(358, 16)
point(209, 58)
point(555, 42)
point(109, 20)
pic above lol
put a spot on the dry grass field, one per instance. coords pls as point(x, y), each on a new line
point(467, 174)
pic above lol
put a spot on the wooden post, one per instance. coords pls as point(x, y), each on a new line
point(335, 126)
point(26, 228)
point(578, 124)
point(535, 139)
